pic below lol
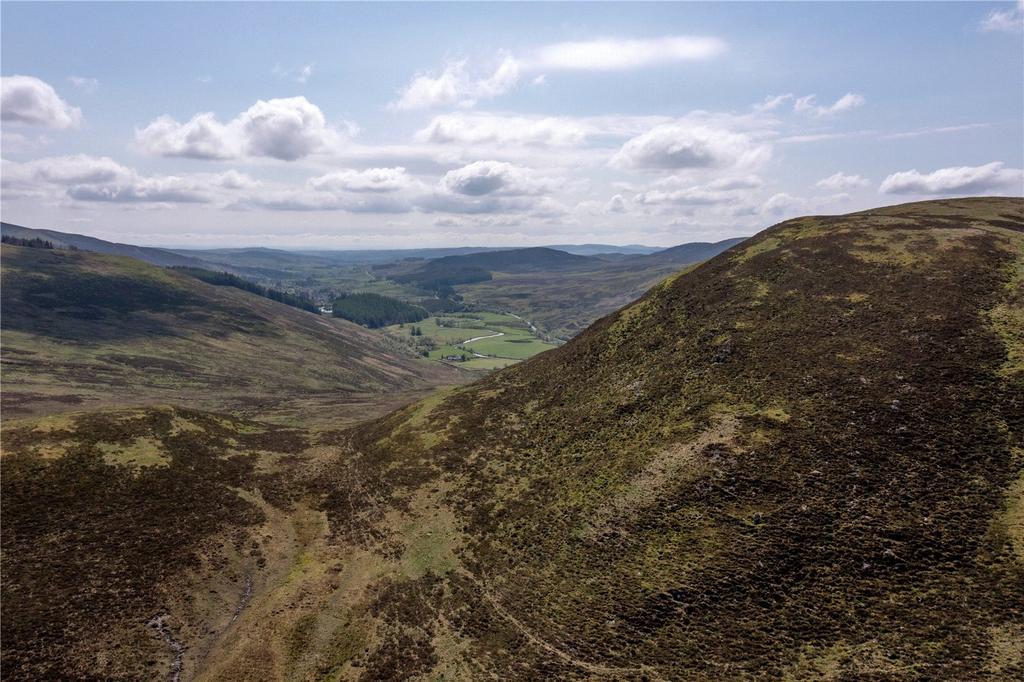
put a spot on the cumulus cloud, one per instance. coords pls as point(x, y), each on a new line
point(65, 170)
point(808, 105)
point(286, 129)
point(494, 178)
point(678, 146)
point(453, 85)
point(1005, 21)
point(611, 54)
point(991, 177)
point(30, 101)
point(369, 180)
point(473, 129)
point(102, 179)
point(840, 181)
point(617, 204)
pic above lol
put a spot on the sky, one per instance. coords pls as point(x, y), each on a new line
point(350, 125)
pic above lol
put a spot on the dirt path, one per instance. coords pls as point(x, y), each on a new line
point(592, 668)
point(481, 338)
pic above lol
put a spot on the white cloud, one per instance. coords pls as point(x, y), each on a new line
point(65, 170)
point(101, 179)
point(677, 146)
point(617, 204)
point(201, 137)
point(285, 129)
point(454, 86)
point(783, 204)
point(426, 90)
point(1005, 21)
point(28, 100)
point(736, 183)
point(301, 200)
point(87, 85)
point(504, 79)
point(232, 179)
point(773, 102)
point(299, 74)
point(494, 178)
point(612, 54)
point(808, 105)
point(840, 181)
point(933, 130)
point(991, 177)
point(369, 180)
point(472, 129)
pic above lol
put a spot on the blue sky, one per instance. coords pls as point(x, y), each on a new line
point(400, 125)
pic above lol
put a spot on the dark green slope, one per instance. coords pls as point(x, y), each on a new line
point(84, 329)
point(800, 460)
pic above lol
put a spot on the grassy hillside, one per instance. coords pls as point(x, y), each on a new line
point(82, 329)
point(801, 460)
point(68, 240)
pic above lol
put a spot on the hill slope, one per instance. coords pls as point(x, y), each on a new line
point(800, 460)
point(515, 260)
point(148, 254)
point(83, 329)
point(683, 254)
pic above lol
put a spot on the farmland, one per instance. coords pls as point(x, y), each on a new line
point(486, 340)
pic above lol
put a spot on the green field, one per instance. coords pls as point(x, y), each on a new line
point(451, 331)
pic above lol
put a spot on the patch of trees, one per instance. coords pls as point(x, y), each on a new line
point(374, 310)
point(226, 279)
point(33, 243)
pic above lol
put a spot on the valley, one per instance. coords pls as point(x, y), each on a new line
point(220, 487)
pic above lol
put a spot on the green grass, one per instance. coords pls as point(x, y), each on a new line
point(514, 347)
point(450, 331)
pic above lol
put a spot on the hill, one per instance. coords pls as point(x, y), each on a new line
point(684, 254)
point(565, 301)
point(515, 260)
point(802, 459)
point(82, 329)
point(476, 267)
point(67, 240)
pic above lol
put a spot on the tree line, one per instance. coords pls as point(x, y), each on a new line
point(226, 279)
point(33, 243)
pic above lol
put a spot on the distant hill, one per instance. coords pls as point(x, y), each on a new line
point(444, 273)
point(601, 249)
point(148, 254)
point(564, 301)
point(515, 260)
point(684, 254)
point(91, 329)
